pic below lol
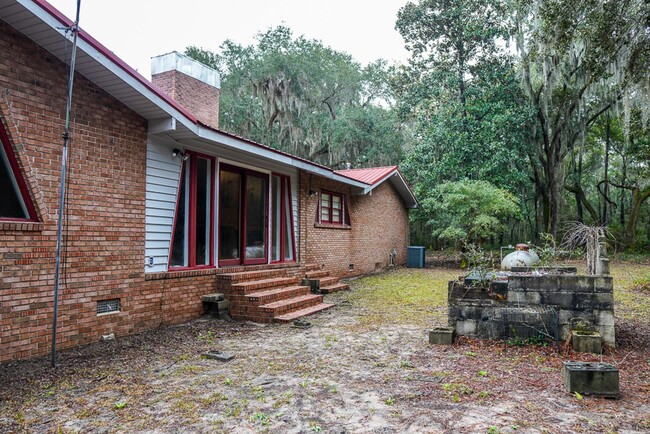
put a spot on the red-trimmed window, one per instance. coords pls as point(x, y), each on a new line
point(15, 203)
point(282, 233)
point(331, 207)
point(193, 234)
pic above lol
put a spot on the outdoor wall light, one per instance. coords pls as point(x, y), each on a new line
point(178, 153)
point(312, 193)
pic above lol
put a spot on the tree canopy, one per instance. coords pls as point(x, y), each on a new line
point(509, 119)
point(297, 95)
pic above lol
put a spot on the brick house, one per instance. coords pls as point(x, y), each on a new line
point(162, 206)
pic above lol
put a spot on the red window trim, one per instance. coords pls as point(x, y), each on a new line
point(191, 227)
point(330, 220)
point(243, 171)
point(18, 176)
point(286, 183)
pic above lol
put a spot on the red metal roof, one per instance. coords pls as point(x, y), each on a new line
point(371, 175)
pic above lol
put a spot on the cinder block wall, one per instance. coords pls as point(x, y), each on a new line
point(378, 223)
point(474, 312)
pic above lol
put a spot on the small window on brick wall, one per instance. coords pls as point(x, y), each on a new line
point(108, 306)
point(16, 204)
point(332, 209)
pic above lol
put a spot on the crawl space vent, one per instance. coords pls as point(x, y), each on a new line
point(108, 306)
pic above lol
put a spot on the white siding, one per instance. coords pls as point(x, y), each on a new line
point(163, 174)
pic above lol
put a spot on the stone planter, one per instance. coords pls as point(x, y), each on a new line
point(591, 379)
point(586, 342)
point(442, 335)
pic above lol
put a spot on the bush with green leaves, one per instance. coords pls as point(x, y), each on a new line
point(469, 211)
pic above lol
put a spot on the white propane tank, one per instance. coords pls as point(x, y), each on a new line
point(521, 257)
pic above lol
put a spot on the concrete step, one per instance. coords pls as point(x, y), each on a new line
point(334, 288)
point(264, 284)
point(286, 306)
point(288, 317)
point(276, 294)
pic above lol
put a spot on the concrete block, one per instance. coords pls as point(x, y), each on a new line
point(608, 335)
point(591, 379)
point(586, 342)
point(603, 283)
point(466, 327)
point(314, 285)
point(516, 296)
point(442, 335)
point(604, 317)
point(604, 266)
point(212, 298)
point(559, 298)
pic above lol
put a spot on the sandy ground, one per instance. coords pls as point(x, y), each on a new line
point(338, 376)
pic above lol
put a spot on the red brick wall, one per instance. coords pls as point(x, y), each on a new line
point(379, 223)
point(104, 252)
point(201, 99)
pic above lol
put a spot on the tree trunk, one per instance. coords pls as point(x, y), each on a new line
point(638, 198)
point(621, 217)
point(605, 216)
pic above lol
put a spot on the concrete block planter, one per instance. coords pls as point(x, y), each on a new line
point(600, 379)
point(442, 335)
point(586, 342)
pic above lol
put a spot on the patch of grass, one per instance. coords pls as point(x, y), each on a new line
point(403, 296)
point(208, 337)
point(629, 279)
point(262, 418)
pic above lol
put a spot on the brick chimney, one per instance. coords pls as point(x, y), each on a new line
point(190, 83)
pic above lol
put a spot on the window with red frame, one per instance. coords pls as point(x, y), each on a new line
point(15, 203)
point(332, 208)
point(192, 236)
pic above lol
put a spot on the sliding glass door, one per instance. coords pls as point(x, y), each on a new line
point(243, 217)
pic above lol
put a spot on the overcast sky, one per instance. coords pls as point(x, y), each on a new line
point(136, 30)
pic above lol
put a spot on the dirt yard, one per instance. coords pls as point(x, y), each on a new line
point(362, 367)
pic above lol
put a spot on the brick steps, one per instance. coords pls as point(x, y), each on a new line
point(288, 317)
point(334, 288)
point(258, 285)
point(316, 274)
point(276, 294)
point(263, 295)
point(296, 303)
point(328, 281)
point(246, 276)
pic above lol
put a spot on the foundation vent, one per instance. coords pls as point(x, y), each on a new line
point(108, 306)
